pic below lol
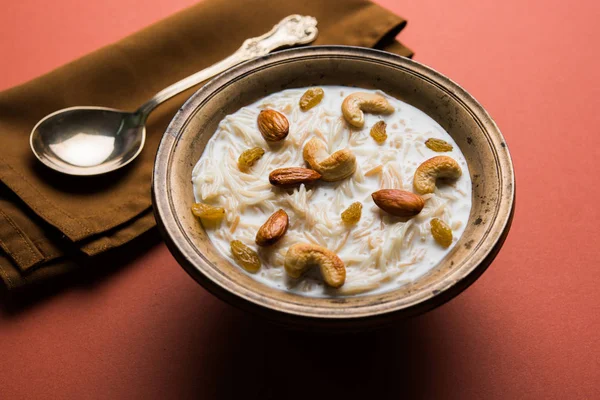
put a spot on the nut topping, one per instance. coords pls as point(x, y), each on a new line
point(273, 229)
point(293, 176)
point(300, 257)
point(398, 202)
point(356, 104)
point(337, 166)
point(429, 171)
point(273, 125)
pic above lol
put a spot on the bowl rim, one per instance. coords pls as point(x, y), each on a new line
point(439, 292)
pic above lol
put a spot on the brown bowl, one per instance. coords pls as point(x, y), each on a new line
point(451, 106)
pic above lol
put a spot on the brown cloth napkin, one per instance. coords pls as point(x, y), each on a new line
point(51, 223)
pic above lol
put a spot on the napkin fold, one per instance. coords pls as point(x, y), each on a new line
point(49, 222)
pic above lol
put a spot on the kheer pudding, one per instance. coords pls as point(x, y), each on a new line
point(332, 191)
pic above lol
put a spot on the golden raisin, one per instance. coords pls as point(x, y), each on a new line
point(311, 98)
point(438, 145)
point(249, 157)
point(245, 256)
point(351, 215)
point(378, 132)
point(207, 212)
point(441, 232)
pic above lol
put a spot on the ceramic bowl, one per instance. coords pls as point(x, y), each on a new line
point(446, 102)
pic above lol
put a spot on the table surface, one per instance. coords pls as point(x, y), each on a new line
point(528, 328)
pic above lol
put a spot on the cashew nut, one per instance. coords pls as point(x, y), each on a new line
point(300, 257)
point(436, 167)
point(334, 167)
point(356, 103)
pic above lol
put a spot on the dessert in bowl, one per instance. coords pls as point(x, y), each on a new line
point(312, 175)
point(343, 203)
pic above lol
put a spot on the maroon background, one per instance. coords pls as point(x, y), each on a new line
point(527, 329)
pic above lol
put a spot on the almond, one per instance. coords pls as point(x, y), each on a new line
point(398, 202)
point(273, 125)
point(293, 176)
point(273, 229)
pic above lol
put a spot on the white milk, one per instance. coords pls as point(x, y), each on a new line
point(381, 252)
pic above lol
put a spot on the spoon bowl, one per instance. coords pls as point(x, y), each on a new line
point(88, 140)
point(97, 140)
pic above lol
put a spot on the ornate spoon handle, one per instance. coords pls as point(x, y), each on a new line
point(290, 31)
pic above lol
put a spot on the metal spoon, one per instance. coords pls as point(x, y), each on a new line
point(96, 140)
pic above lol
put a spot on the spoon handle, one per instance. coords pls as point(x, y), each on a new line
point(290, 31)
